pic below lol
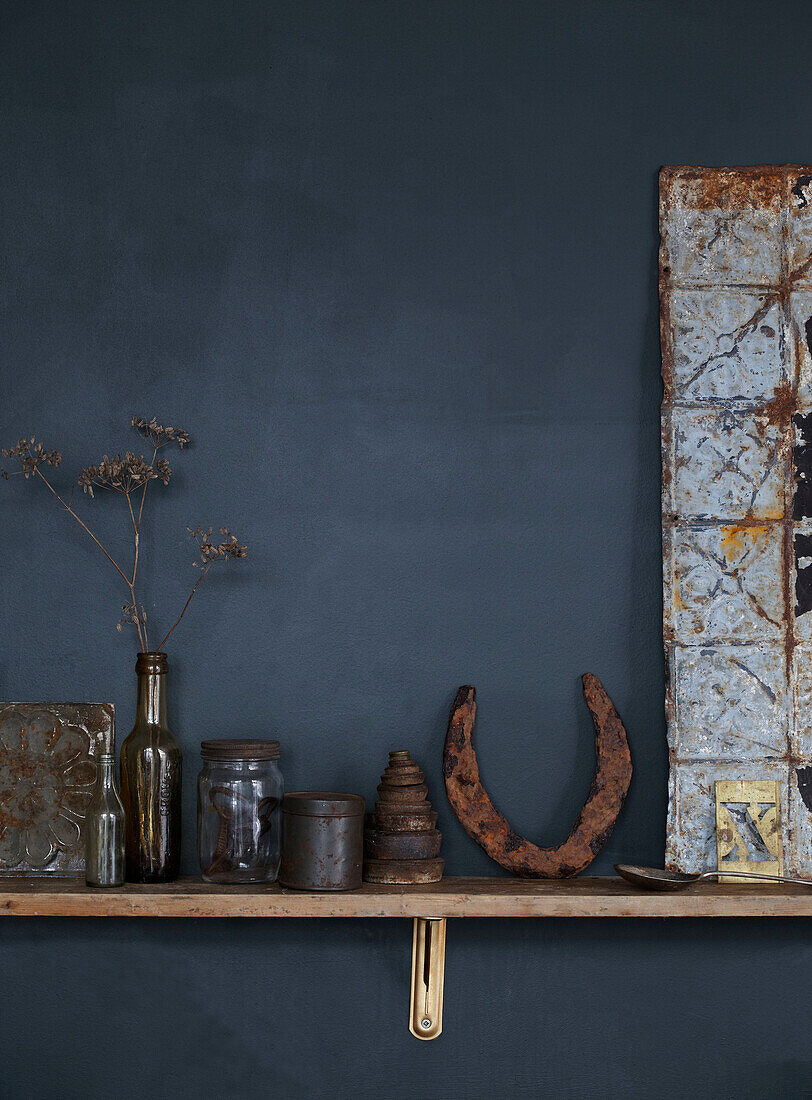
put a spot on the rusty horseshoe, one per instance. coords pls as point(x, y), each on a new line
point(483, 822)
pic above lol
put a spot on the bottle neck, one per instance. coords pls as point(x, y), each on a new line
point(150, 706)
point(107, 773)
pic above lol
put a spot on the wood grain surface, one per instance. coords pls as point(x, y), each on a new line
point(453, 897)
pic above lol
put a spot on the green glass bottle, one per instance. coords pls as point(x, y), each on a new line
point(151, 781)
point(104, 829)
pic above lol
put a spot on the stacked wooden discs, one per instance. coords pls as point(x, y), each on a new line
point(401, 842)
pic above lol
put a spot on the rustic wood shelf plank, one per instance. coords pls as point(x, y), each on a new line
point(453, 897)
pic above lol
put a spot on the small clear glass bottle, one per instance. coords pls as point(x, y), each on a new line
point(104, 829)
point(238, 795)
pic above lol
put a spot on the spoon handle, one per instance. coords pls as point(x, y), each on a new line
point(753, 874)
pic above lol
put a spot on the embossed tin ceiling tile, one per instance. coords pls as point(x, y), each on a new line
point(736, 330)
point(731, 702)
point(728, 464)
point(727, 345)
point(691, 827)
point(726, 582)
point(47, 774)
point(722, 225)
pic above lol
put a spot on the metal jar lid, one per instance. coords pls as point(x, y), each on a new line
point(233, 748)
point(322, 804)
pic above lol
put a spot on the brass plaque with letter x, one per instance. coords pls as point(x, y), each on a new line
point(748, 827)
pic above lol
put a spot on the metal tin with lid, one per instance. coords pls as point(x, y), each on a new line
point(322, 840)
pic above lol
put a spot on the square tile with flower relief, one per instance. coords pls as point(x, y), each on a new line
point(727, 345)
point(48, 755)
point(728, 464)
point(731, 702)
point(726, 582)
point(722, 228)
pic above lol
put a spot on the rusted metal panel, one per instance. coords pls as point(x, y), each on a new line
point(48, 755)
point(736, 332)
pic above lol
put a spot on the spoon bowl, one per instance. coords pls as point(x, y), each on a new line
point(652, 878)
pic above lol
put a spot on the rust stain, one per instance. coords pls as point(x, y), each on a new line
point(679, 603)
point(732, 543)
point(730, 188)
point(739, 538)
point(491, 830)
point(779, 409)
point(800, 350)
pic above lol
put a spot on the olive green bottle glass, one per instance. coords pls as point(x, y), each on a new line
point(104, 829)
point(151, 781)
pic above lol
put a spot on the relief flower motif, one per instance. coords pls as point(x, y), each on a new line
point(47, 776)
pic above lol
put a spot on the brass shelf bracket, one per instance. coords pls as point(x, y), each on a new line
point(428, 977)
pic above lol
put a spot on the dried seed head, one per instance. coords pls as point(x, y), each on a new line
point(210, 552)
point(30, 454)
point(123, 475)
point(158, 435)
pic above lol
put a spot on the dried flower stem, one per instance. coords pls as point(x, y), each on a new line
point(126, 474)
point(197, 585)
point(137, 533)
point(136, 540)
point(103, 549)
point(144, 493)
point(81, 523)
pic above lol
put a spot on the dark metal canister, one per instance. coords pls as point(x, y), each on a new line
point(322, 840)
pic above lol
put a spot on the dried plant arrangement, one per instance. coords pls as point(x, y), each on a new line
point(129, 476)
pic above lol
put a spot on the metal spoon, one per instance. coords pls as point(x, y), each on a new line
point(651, 878)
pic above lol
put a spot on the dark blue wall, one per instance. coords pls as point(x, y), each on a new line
point(393, 267)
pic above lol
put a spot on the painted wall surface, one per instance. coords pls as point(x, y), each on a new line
point(393, 265)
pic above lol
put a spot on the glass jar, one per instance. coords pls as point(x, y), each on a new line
point(238, 794)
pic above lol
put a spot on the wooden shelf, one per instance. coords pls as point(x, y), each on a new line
point(453, 897)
